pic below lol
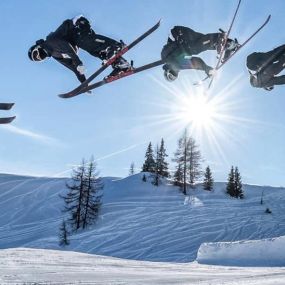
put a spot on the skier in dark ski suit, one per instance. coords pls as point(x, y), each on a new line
point(185, 42)
point(263, 66)
point(71, 35)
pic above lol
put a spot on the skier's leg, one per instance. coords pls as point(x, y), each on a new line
point(209, 41)
point(276, 80)
point(196, 63)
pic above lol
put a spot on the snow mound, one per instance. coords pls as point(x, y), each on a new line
point(266, 252)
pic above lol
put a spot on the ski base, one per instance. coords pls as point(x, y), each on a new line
point(7, 120)
point(119, 76)
point(6, 106)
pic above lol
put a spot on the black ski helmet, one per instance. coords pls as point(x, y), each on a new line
point(37, 52)
point(81, 23)
point(169, 74)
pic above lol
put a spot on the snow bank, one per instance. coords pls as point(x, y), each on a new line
point(266, 252)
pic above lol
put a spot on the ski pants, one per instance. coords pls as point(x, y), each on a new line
point(268, 65)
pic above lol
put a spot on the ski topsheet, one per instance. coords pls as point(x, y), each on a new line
point(121, 75)
point(6, 106)
point(109, 62)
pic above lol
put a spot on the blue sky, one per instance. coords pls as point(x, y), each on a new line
point(117, 122)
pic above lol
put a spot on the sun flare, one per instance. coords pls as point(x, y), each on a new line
point(198, 110)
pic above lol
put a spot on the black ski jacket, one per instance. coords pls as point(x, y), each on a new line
point(63, 44)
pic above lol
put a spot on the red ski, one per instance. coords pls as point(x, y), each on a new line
point(82, 86)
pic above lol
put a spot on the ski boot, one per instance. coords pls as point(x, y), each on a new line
point(229, 48)
point(120, 66)
point(110, 51)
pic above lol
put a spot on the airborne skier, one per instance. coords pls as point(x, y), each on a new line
point(264, 66)
point(71, 35)
point(184, 43)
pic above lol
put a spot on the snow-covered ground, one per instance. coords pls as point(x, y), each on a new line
point(35, 266)
point(142, 222)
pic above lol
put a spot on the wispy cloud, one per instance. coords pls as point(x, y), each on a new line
point(35, 136)
point(119, 151)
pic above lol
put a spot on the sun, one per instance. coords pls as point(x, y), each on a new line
point(198, 110)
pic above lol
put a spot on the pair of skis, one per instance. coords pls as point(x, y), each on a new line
point(221, 62)
point(6, 106)
point(85, 87)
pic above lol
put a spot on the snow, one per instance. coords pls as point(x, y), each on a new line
point(267, 252)
point(36, 266)
point(160, 235)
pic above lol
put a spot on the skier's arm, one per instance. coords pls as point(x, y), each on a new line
point(65, 54)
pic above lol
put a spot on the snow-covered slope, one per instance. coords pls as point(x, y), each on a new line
point(36, 266)
point(138, 220)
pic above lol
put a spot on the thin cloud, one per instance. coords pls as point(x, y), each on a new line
point(30, 134)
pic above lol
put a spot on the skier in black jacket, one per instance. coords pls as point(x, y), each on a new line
point(71, 35)
point(184, 43)
point(263, 66)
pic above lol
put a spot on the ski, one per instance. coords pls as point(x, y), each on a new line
point(121, 75)
point(240, 47)
point(246, 41)
point(225, 42)
point(75, 91)
point(7, 120)
point(6, 106)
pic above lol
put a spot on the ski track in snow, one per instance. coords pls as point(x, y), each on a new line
point(138, 221)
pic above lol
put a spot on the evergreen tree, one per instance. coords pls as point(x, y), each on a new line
point(132, 169)
point(156, 174)
point(92, 193)
point(63, 234)
point(208, 179)
point(231, 183)
point(161, 160)
point(194, 161)
point(83, 200)
point(74, 199)
point(178, 176)
point(181, 158)
point(238, 185)
point(144, 178)
point(188, 159)
point(149, 164)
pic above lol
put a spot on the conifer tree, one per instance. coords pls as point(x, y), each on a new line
point(149, 164)
point(188, 160)
point(208, 180)
point(156, 174)
point(238, 184)
point(132, 169)
point(231, 183)
point(63, 234)
point(144, 178)
point(178, 175)
point(74, 199)
point(194, 161)
point(93, 194)
point(181, 159)
point(83, 200)
point(161, 160)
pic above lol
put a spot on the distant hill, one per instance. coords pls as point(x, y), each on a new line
point(138, 220)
